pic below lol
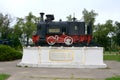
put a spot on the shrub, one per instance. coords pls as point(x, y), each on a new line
point(16, 44)
point(7, 53)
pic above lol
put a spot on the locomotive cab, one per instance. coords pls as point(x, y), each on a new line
point(76, 28)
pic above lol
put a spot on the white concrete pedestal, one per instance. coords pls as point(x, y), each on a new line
point(63, 57)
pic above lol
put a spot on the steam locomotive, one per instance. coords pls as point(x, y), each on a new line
point(67, 33)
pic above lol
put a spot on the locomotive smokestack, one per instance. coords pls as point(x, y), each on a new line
point(41, 15)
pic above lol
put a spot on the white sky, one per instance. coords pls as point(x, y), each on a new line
point(106, 9)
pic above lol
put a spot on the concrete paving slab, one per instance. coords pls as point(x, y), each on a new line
point(27, 73)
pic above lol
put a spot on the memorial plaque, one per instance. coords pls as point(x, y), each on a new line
point(61, 55)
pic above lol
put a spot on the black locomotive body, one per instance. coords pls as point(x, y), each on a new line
point(62, 32)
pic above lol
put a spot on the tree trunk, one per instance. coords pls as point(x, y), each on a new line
point(27, 40)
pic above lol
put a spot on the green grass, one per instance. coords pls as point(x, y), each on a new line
point(57, 78)
point(113, 78)
point(111, 56)
point(111, 52)
point(4, 76)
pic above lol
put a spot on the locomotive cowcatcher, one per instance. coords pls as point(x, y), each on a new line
point(62, 32)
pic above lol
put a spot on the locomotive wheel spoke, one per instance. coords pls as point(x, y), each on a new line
point(68, 40)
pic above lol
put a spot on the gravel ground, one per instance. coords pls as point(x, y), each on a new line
point(22, 73)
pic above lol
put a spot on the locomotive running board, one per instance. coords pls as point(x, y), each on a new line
point(63, 57)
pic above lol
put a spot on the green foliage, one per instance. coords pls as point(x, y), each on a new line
point(16, 44)
point(8, 33)
point(4, 76)
point(5, 30)
point(117, 31)
point(7, 53)
point(101, 32)
point(69, 18)
point(29, 26)
point(113, 78)
point(89, 16)
point(25, 26)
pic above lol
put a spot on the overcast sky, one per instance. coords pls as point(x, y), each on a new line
point(106, 9)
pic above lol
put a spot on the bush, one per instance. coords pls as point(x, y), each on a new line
point(7, 53)
point(16, 44)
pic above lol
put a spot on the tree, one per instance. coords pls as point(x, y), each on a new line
point(117, 32)
point(18, 27)
point(89, 16)
point(69, 18)
point(101, 33)
point(29, 26)
point(17, 33)
point(5, 30)
point(8, 32)
point(24, 28)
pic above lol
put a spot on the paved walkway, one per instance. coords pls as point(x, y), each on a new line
point(20, 73)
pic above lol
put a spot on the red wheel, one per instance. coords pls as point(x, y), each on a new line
point(51, 40)
point(68, 40)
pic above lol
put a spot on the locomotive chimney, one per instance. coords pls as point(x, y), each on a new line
point(41, 17)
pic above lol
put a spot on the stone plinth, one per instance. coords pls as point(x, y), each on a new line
point(63, 57)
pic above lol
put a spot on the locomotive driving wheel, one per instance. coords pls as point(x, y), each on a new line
point(51, 40)
point(68, 40)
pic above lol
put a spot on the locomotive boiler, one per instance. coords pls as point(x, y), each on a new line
point(67, 33)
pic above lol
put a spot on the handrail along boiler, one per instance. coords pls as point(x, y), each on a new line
point(62, 32)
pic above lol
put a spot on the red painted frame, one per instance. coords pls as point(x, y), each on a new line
point(60, 38)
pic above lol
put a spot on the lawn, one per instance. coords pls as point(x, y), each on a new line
point(113, 78)
point(112, 56)
point(4, 76)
